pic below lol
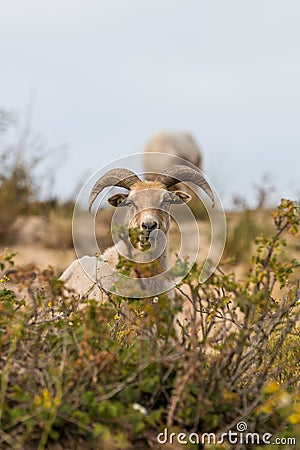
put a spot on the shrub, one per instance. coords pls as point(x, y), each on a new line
point(17, 188)
point(113, 376)
point(16, 192)
point(239, 241)
point(20, 193)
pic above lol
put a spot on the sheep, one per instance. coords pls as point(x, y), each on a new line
point(148, 205)
point(172, 145)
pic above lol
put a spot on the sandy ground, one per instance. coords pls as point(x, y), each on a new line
point(48, 241)
point(42, 256)
point(41, 241)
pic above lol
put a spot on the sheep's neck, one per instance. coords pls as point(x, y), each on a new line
point(145, 269)
point(163, 260)
point(150, 269)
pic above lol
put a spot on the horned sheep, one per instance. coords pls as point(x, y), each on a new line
point(148, 205)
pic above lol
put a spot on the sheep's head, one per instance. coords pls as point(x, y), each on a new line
point(148, 205)
point(149, 202)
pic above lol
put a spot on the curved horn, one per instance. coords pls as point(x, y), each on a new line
point(115, 177)
point(177, 174)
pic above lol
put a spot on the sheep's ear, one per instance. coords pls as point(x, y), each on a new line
point(117, 200)
point(180, 197)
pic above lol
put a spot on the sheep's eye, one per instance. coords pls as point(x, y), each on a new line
point(120, 202)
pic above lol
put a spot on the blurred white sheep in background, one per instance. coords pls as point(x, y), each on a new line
point(173, 144)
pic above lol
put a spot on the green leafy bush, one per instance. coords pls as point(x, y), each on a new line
point(113, 376)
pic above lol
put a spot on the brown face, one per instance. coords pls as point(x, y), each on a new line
point(149, 206)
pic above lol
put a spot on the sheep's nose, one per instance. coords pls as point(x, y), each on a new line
point(149, 225)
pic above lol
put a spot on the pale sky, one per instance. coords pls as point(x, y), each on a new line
point(105, 75)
